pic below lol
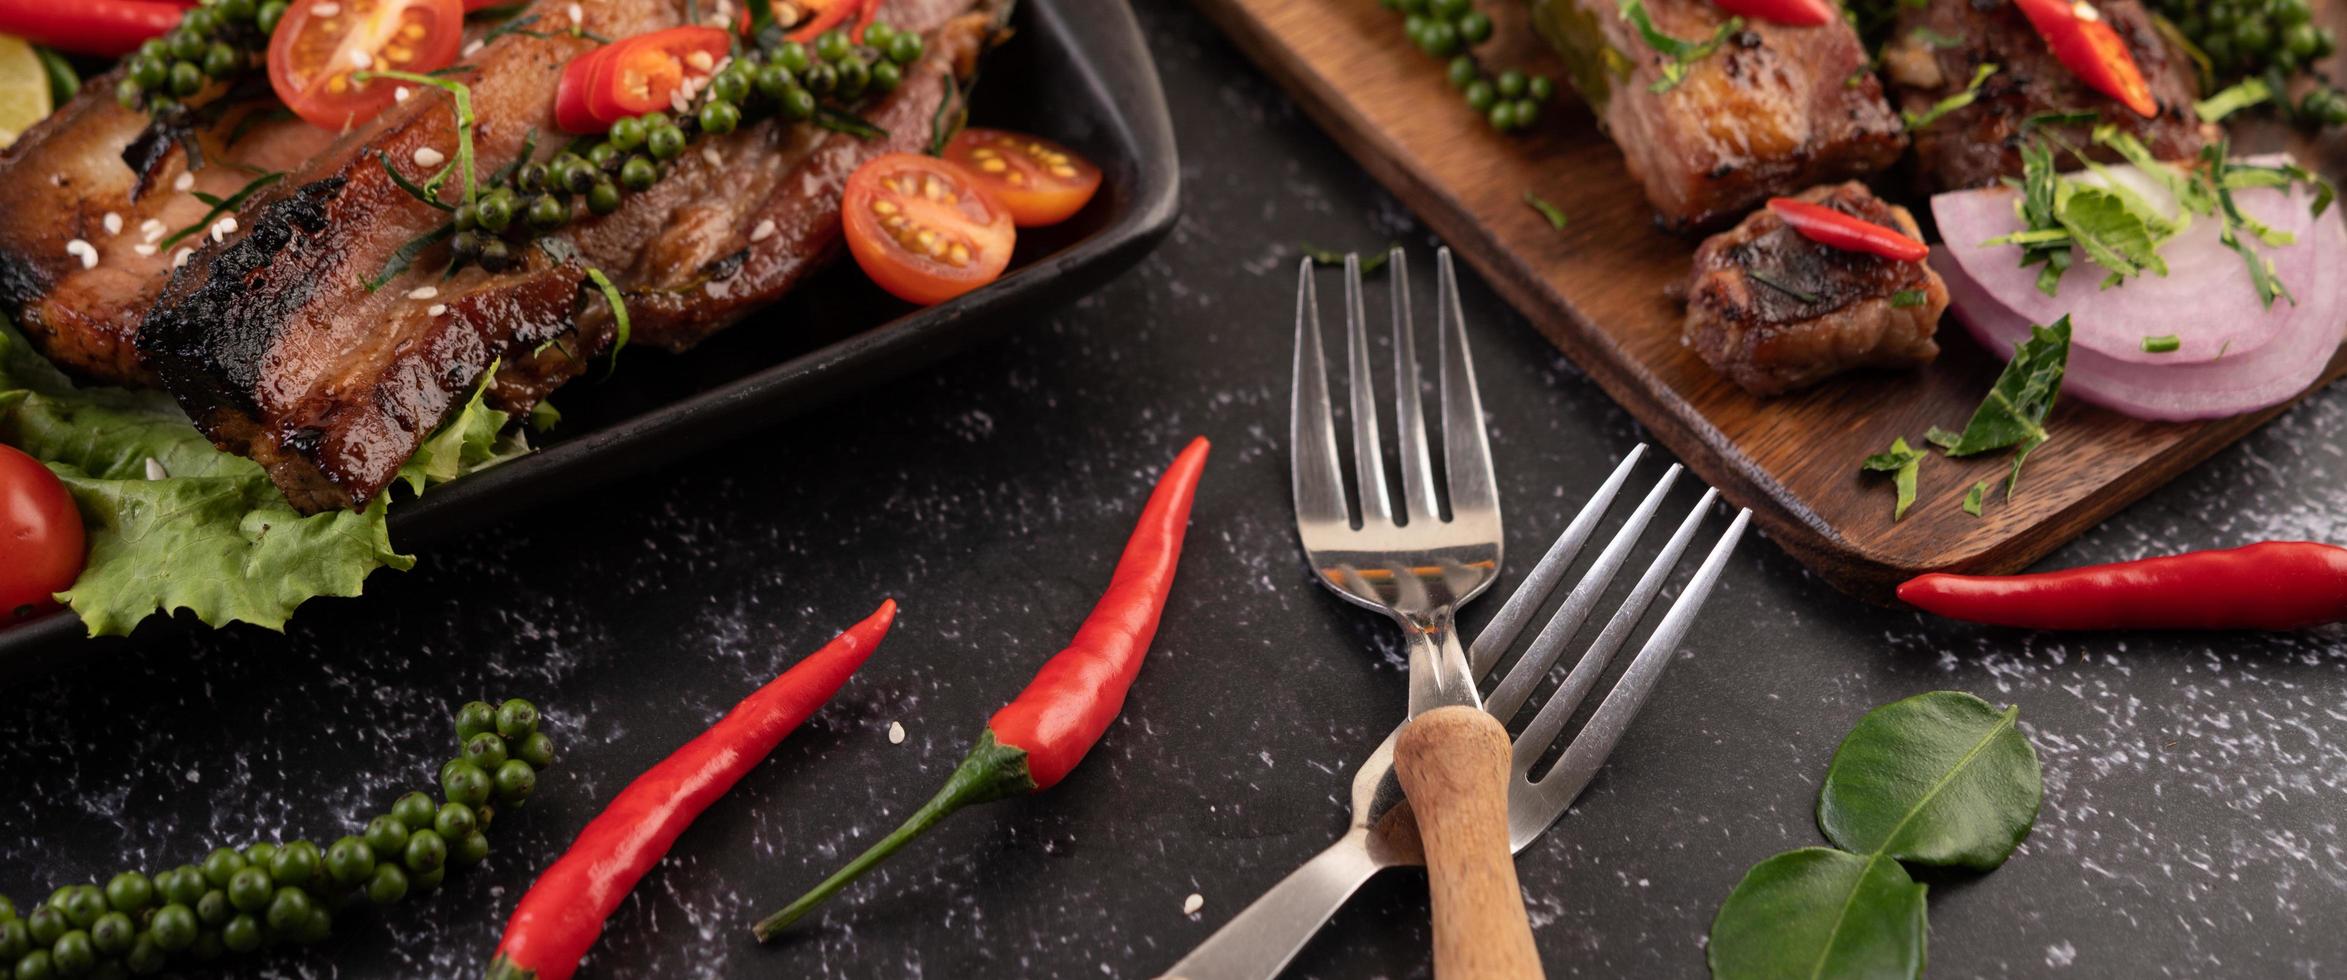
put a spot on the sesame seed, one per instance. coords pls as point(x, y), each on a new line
point(223, 228)
point(438, 309)
point(1192, 904)
point(183, 182)
point(423, 292)
point(87, 253)
point(576, 15)
point(155, 470)
point(474, 47)
point(361, 60)
point(698, 60)
point(710, 155)
point(180, 258)
point(325, 9)
point(145, 250)
point(429, 157)
point(113, 223)
point(400, 94)
point(764, 231)
point(676, 100)
point(896, 733)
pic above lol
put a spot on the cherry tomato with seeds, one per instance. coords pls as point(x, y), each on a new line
point(318, 47)
point(1040, 182)
point(40, 535)
point(923, 229)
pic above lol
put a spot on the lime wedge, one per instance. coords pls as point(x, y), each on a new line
point(24, 88)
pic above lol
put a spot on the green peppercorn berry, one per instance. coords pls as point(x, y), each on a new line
point(148, 71)
point(793, 56)
point(237, 10)
point(47, 923)
point(466, 217)
point(455, 821)
point(221, 865)
point(599, 156)
point(14, 941)
point(242, 934)
point(1440, 39)
point(184, 44)
point(719, 117)
point(159, 103)
point(174, 927)
point(2253, 35)
point(820, 79)
point(187, 885)
point(854, 77)
point(84, 904)
point(531, 178)
point(462, 782)
point(1414, 28)
point(350, 861)
point(1463, 71)
point(186, 79)
point(430, 879)
point(886, 76)
point(145, 957)
point(664, 143)
point(296, 864)
point(495, 213)
point(469, 850)
point(128, 94)
point(267, 16)
point(1511, 84)
point(426, 851)
point(1540, 88)
point(73, 954)
point(798, 105)
point(316, 928)
point(775, 80)
point(485, 750)
point(905, 48)
point(516, 780)
point(249, 891)
point(200, 20)
point(877, 35)
point(547, 213)
point(111, 935)
point(833, 45)
point(572, 174)
point(130, 891)
point(2327, 106)
point(1475, 27)
point(221, 61)
point(1502, 116)
point(730, 85)
point(208, 946)
point(626, 135)
point(214, 909)
point(289, 910)
point(1480, 95)
point(603, 198)
point(388, 885)
point(35, 966)
point(2302, 41)
point(496, 256)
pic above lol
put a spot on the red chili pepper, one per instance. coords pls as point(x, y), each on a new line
point(2274, 585)
point(553, 925)
point(1032, 743)
point(111, 28)
point(2086, 44)
point(1793, 13)
point(1827, 226)
point(828, 14)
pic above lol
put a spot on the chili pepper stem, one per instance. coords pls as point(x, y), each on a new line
point(992, 771)
point(505, 969)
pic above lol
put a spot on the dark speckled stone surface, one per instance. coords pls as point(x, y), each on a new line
point(2194, 784)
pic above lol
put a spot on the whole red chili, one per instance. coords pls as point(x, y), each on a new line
point(2273, 585)
point(1032, 743)
point(564, 911)
point(1827, 226)
point(101, 27)
point(1793, 13)
point(2085, 43)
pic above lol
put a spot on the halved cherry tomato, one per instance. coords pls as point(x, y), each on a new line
point(922, 228)
point(318, 45)
point(1794, 13)
point(640, 74)
point(1038, 181)
point(40, 535)
point(1834, 229)
point(2085, 43)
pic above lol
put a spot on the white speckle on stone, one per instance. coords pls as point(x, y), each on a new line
point(763, 231)
point(155, 470)
point(2061, 954)
point(429, 157)
point(87, 253)
point(1192, 904)
point(896, 733)
point(423, 292)
point(113, 223)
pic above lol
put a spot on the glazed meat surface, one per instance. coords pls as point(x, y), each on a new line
point(1773, 110)
point(1938, 46)
point(1774, 311)
point(279, 349)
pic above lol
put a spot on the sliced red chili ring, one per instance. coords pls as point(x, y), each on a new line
point(1829, 227)
point(640, 74)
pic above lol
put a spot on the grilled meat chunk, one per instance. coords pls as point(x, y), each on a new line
point(107, 178)
point(279, 349)
point(1773, 110)
point(1775, 311)
point(1940, 44)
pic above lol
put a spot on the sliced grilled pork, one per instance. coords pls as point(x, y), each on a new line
point(1940, 44)
point(278, 349)
point(1773, 110)
point(82, 248)
point(1775, 311)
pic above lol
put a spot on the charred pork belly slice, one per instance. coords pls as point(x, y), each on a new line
point(279, 349)
point(82, 236)
point(1773, 110)
point(1775, 311)
point(1940, 45)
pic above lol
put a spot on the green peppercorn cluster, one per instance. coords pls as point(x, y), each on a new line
point(2270, 39)
point(793, 81)
point(215, 43)
point(1448, 29)
point(242, 900)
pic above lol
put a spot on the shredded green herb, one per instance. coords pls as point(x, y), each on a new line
point(518, 25)
point(406, 255)
point(1935, 39)
point(1332, 257)
point(1679, 52)
point(2070, 117)
point(619, 318)
point(2164, 344)
point(462, 95)
point(1906, 299)
point(407, 185)
point(1971, 94)
point(220, 206)
point(1974, 498)
point(2014, 413)
point(841, 122)
point(1902, 462)
point(2242, 95)
point(1790, 290)
point(1554, 214)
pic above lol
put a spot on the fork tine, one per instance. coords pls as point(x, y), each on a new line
point(1409, 409)
point(1569, 695)
point(1368, 451)
point(1556, 790)
point(1318, 480)
point(1542, 654)
point(1466, 450)
point(1501, 632)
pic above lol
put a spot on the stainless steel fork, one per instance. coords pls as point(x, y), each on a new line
point(1384, 832)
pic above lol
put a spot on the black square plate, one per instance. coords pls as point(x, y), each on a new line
point(1074, 70)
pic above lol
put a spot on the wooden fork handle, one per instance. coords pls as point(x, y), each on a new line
point(1453, 764)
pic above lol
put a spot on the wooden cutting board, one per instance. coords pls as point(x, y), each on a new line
point(1598, 291)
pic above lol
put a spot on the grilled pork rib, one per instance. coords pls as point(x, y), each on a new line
point(1773, 110)
point(279, 350)
point(1939, 45)
point(1775, 311)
